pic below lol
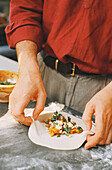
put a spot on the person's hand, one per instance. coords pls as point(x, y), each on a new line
point(100, 106)
point(28, 87)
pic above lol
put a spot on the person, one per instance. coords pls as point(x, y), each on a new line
point(74, 65)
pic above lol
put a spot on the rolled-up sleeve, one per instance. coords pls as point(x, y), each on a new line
point(25, 22)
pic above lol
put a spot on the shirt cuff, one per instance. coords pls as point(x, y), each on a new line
point(26, 32)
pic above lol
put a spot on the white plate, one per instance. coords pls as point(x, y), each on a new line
point(39, 135)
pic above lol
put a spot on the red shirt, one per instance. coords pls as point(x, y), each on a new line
point(78, 31)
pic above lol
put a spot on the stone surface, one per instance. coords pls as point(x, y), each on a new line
point(17, 152)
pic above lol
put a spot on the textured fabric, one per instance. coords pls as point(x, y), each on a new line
point(71, 30)
point(74, 92)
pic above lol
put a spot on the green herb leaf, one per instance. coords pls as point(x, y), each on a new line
point(53, 119)
point(64, 120)
point(56, 113)
point(47, 122)
point(79, 128)
point(59, 135)
point(65, 129)
point(69, 119)
point(6, 83)
point(69, 129)
point(54, 123)
point(1, 82)
point(60, 115)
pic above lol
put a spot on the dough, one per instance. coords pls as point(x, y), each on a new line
point(39, 135)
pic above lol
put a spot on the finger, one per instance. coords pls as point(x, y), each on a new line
point(22, 119)
point(107, 127)
point(109, 138)
point(17, 110)
point(87, 116)
point(91, 141)
point(39, 105)
point(88, 137)
point(99, 131)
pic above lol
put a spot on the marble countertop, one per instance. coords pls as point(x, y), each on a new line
point(17, 152)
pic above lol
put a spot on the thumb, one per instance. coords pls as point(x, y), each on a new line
point(39, 106)
point(87, 116)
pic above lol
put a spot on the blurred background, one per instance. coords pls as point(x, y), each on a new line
point(4, 21)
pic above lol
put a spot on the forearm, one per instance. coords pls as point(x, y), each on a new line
point(27, 55)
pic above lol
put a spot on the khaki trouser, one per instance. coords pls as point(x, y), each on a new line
point(75, 91)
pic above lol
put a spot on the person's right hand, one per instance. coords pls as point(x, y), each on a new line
point(28, 87)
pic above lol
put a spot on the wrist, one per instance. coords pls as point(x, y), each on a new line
point(27, 55)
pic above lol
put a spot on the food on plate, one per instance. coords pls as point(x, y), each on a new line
point(6, 83)
point(58, 125)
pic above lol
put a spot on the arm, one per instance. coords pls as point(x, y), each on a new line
point(25, 34)
point(30, 84)
point(100, 106)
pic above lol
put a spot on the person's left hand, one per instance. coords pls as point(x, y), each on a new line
point(100, 106)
